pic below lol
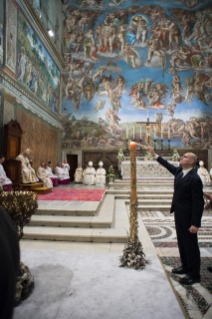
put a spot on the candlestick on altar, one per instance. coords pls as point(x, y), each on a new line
point(133, 132)
point(126, 133)
point(168, 133)
point(133, 255)
point(161, 132)
point(140, 134)
point(168, 144)
point(162, 144)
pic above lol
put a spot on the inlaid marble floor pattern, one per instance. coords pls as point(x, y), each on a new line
point(196, 299)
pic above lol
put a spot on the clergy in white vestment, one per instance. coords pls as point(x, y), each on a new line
point(44, 176)
point(78, 176)
point(59, 171)
point(66, 167)
point(90, 174)
point(101, 175)
point(27, 172)
point(30, 162)
point(52, 176)
point(5, 182)
point(66, 173)
point(203, 173)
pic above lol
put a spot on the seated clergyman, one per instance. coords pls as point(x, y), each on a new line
point(27, 172)
point(44, 176)
point(52, 176)
point(61, 174)
point(101, 175)
point(90, 174)
point(78, 176)
point(5, 182)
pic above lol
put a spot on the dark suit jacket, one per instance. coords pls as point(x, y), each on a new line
point(9, 264)
point(187, 202)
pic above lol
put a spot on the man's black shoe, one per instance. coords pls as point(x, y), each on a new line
point(179, 271)
point(187, 280)
point(209, 269)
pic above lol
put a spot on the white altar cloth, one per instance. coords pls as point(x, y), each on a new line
point(147, 169)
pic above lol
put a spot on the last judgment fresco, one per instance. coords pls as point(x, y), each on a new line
point(127, 61)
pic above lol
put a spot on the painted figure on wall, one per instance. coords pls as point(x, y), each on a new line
point(35, 68)
point(126, 61)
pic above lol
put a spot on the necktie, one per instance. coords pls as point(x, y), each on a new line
point(181, 176)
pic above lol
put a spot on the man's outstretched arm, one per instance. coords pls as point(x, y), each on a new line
point(171, 168)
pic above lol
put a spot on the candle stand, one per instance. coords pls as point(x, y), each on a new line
point(127, 144)
point(133, 255)
point(168, 144)
point(162, 144)
point(154, 144)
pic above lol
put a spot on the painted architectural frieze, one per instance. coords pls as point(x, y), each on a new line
point(11, 36)
point(127, 61)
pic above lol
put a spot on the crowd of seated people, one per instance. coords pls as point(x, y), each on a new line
point(43, 174)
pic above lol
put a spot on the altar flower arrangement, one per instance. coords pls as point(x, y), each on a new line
point(111, 176)
point(148, 156)
point(175, 155)
point(20, 205)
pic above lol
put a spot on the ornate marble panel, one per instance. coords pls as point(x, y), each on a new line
point(146, 169)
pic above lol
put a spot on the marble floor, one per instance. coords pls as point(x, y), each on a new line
point(156, 232)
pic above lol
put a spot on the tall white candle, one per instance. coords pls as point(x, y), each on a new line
point(126, 132)
point(169, 133)
point(154, 133)
point(161, 132)
point(133, 132)
point(140, 132)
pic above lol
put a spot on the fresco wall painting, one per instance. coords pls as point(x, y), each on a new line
point(11, 35)
point(35, 68)
point(127, 61)
point(1, 33)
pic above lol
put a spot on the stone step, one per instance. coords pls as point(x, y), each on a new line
point(71, 221)
point(140, 192)
point(76, 234)
point(154, 207)
point(155, 202)
point(147, 196)
point(65, 211)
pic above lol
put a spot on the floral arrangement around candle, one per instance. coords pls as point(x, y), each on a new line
point(175, 155)
point(121, 156)
point(111, 176)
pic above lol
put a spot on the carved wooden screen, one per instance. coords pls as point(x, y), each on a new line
point(39, 137)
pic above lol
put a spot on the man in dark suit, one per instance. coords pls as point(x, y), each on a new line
point(187, 205)
point(9, 264)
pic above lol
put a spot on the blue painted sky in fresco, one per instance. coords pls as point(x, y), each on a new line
point(128, 113)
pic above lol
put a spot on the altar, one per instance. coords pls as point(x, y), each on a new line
point(147, 169)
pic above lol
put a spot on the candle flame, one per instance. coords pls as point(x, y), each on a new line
point(132, 143)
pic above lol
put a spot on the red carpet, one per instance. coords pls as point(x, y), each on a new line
point(74, 194)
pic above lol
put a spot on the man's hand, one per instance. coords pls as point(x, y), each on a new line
point(208, 196)
point(207, 206)
point(151, 150)
point(193, 229)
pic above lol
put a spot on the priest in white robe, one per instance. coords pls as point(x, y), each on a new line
point(59, 171)
point(101, 175)
point(66, 174)
point(44, 176)
point(27, 172)
point(78, 176)
point(5, 182)
point(203, 173)
point(52, 176)
point(90, 174)
point(66, 167)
